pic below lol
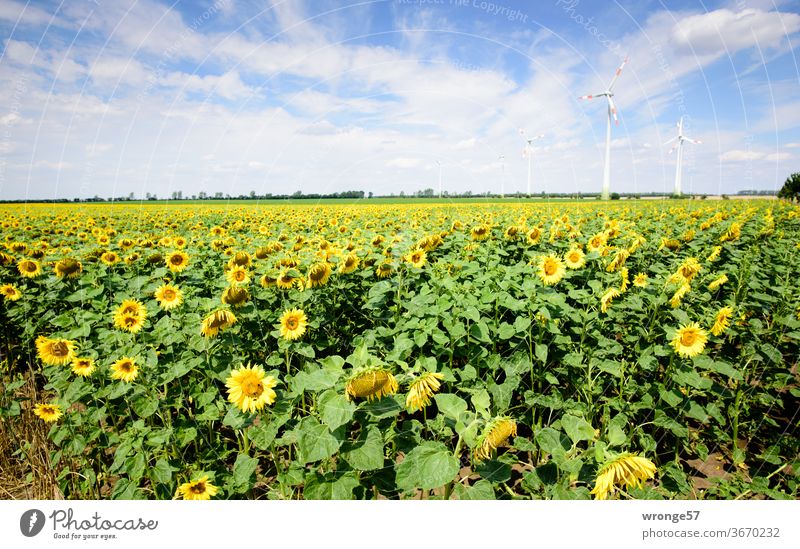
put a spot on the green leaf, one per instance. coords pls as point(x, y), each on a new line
point(552, 442)
point(481, 402)
point(481, 490)
point(450, 405)
point(314, 440)
point(616, 436)
point(541, 352)
point(366, 453)
point(506, 331)
point(429, 465)
point(264, 434)
point(494, 471)
point(577, 428)
point(329, 487)
point(162, 471)
point(145, 406)
point(244, 472)
point(335, 409)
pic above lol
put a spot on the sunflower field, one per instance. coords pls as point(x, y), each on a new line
point(397, 351)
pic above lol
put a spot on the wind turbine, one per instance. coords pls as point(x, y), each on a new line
point(527, 152)
point(439, 163)
point(679, 159)
point(502, 159)
point(612, 112)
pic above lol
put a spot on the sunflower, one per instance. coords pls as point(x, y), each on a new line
point(677, 297)
point(686, 271)
point(249, 389)
point(511, 233)
point(177, 261)
point(689, 340)
point(237, 276)
point(200, 489)
point(717, 282)
point(605, 301)
point(109, 258)
point(422, 389)
point(235, 296)
point(619, 260)
point(55, 352)
point(551, 269)
point(640, 280)
point(48, 412)
point(216, 321)
point(267, 281)
point(10, 292)
point(349, 264)
point(722, 320)
point(623, 274)
point(168, 297)
point(480, 232)
point(417, 258)
point(714, 255)
point(318, 274)
point(69, 267)
point(82, 366)
point(371, 383)
point(597, 242)
point(29, 268)
point(575, 258)
point(124, 369)
point(130, 316)
point(494, 435)
point(627, 469)
point(384, 270)
point(293, 324)
point(286, 281)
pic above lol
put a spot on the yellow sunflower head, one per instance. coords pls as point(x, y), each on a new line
point(551, 269)
point(372, 383)
point(124, 369)
point(417, 258)
point(640, 280)
point(494, 435)
point(722, 320)
point(168, 296)
point(10, 292)
point(109, 258)
point(68, 267)
point(626, 470)
point(385, 269)
point(82, 366)
point(48, 412)
point(349, 263)
point(422, 390)
point(249, 389)
point(689, 340)
point(55, 352)
point(220, 319)
point(318, 274)
point(198, 489)
point(177, 261)
point(480, 232)
point(293, 324)
point(237, 275)
point(29, 268)
point(236, 296)
point(575, 258)
point(607, 298)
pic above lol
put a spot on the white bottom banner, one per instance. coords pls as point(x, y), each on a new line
point(387, 524)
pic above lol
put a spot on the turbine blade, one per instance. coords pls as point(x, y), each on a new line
point(616, 74)
point(670, 141)
point(538, 137)
point(695, 141)
point(586, 97)
point(613, 109)
point(675, 146)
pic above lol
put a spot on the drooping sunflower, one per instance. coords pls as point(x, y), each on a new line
point(551, 270)
point(624, 280)
point(197, 490)
point(534, 236)
point(677, 297)
point(349, 263)
point(494, 435)
point(689, 340)
point(130, 316)
point(268, 281)
point(717, 282)
point(618, 261)
point(605, 300)
point(384, 270)
point(714, 255)
point(82, 366)
point(372, 383)
point(168, 296)
point(235, 296)
point(293, 324)
point(575, 258)
point(286, 281)
point(237, 275)
point(640, 280)
point(480, 232)
point(125, 369)
point(48, 412)
point(597, 242)
point(686, 271)
point(10, 292)
point(29, 268)
point(249, 389)
point(55, 352)
point(217, 321)
point(422, 390)
point(318, 274)
point(417, 258)
point(177, 261)
point(626, 470)
point(68, 267)
point(722, 320)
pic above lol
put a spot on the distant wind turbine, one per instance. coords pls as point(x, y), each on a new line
point(527, 152)
point(502, 159)
point(439, 163)
point(679, 159)
point(612, 112)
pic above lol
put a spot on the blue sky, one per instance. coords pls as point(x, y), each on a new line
point(111, 98)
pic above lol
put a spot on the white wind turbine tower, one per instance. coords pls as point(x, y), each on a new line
point(439, 163)
point(679, 159)
point(502, 159)
point(612, 111)
point(527, 152)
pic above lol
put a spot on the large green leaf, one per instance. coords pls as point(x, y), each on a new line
point(429, 465)
point(315, 441)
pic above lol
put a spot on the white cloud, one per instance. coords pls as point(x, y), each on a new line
point(403, 163)
point(738, 155)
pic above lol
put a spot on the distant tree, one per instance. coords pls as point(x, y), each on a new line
point(791, 188)
point(614, 196)
point(369, 195)
point(252, 194)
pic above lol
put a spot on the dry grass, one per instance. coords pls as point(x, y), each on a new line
point(26, 471)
